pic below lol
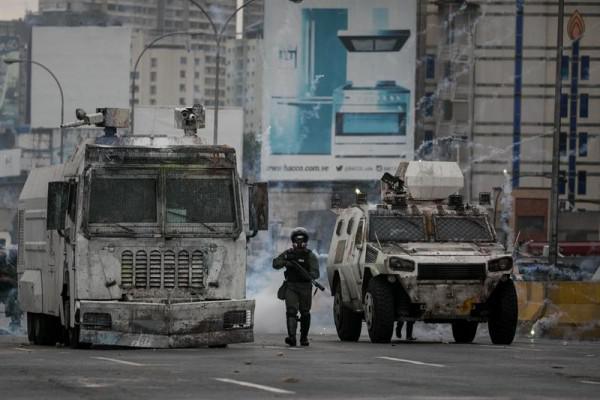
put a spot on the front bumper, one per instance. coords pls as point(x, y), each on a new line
point(158, 325)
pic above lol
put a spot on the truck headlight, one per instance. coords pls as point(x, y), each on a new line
point(500, 264)
point(400, 264)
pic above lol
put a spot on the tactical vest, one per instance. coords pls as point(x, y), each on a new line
point(302, 258)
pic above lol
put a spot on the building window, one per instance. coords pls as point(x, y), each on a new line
point(564, 105)
point(152, 89)
point(183, 60)
point(182, 73)
point(428, 142)
point(581, 182)
point(196, 61)
point(562, 180)
point(564, 67)
point(583, 144)
point(196, 75)
point(181, 101)
point(152, 76)
point(430, 66)
point(152, 102)
point(196, 88)
point(448, 70)
point(563, 144)
point(428, 104)
point(583, 104)
point(181, 87)
point(585, 68)
point(448, 110)
point(153, 62)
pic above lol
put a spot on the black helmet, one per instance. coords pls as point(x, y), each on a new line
point(299, 233)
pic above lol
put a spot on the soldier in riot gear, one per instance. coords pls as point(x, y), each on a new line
point(302, 267)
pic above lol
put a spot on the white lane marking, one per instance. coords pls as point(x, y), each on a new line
point(590, 382)
point(22, 349)
point(500, 347)
point(131, 363)
point(411, 361)
point(255, 386)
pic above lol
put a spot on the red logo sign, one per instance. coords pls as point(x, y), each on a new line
point(576, 26)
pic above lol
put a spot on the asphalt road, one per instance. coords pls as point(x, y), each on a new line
point(328, 369)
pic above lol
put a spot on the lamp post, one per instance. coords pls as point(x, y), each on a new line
point(218, 35)
point(554, 195)
point(10, 61)
point(137, 62)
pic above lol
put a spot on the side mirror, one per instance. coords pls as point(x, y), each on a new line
point(58, 201)
point(258, 213)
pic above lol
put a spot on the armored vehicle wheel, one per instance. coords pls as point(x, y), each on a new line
point(504, 313)
point(464, 331)
point(379, 310)
point(348, 323)
point(42, 329)
point(74, 342)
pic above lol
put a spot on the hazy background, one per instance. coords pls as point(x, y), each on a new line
point(14, 9)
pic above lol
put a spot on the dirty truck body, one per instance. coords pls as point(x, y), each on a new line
point(149, 249)
point(418, 257)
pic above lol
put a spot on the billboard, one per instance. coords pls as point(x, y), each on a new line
point(339, 88)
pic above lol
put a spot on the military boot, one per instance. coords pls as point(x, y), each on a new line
point(292, 324)
point(304, 327)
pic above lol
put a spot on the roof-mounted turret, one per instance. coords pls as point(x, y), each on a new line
point(190, 119)
point(430, 180)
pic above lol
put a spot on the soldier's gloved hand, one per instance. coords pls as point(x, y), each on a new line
point(289, 255)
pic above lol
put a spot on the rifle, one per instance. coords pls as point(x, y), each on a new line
point(306, 275)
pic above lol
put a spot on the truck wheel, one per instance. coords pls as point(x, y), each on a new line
point(379, 311)
point(504, 313)
point(48, 330)
point(464, 331)
point(74, 342)
point(348, 323)
point(31, 327)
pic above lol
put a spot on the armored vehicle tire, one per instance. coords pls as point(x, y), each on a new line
point(30, 330)
point(42, 329)
point(504, 313)
point(464, 331)
point(74, 342)
point(348, 323)
point(379, 310)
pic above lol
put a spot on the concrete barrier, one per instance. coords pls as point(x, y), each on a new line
point(569, 310)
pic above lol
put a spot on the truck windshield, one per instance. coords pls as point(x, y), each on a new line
point(462, 229)
point(204, 200)
point(123, 200)
point(396, 229)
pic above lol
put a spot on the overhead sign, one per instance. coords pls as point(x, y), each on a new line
point(10, 163)
point(339, 89)
point(576, 26)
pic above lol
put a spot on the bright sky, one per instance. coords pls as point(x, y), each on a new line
point(14, 9)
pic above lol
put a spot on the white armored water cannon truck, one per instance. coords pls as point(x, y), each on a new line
point(139, 241)
point(420, 255)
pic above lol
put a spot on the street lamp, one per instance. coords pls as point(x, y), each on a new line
point(10, 61)
point(218, 35)
point(137, 62)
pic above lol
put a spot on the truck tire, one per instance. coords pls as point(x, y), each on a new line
point(348, 323)
point(504, 313)
point(379, 310)
point(31, 322)
point(464, 331)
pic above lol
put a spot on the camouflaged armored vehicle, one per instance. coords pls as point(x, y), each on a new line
point(420, 255)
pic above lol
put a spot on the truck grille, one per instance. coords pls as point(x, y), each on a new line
point(451, 271)
point(162, 270)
